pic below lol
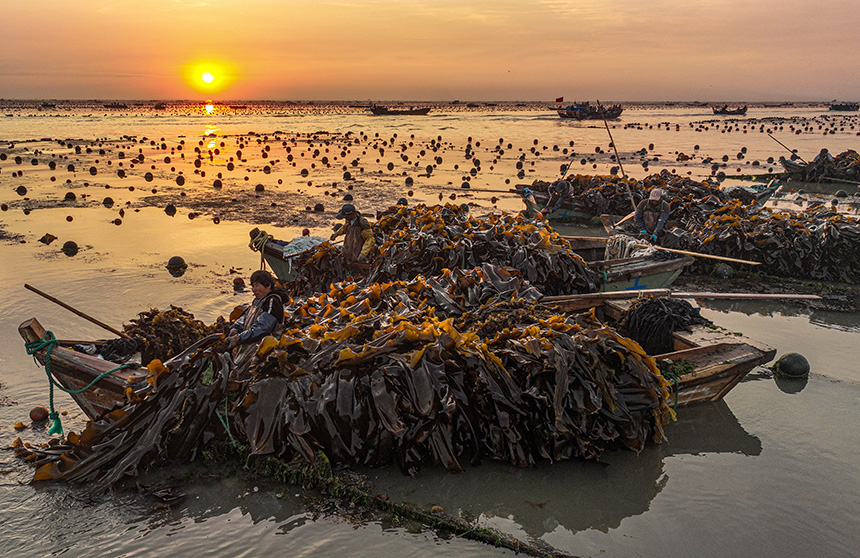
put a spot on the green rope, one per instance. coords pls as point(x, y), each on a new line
point(48, 342)
point(225, 422)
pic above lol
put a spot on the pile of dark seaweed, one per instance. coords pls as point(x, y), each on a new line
point(818, 243)
point(456, 368)
point(426, 240)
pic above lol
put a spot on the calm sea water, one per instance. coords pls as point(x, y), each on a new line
point(771, 471)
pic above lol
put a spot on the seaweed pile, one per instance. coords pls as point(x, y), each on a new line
point(845, 166)
point(815, 244)
point(818, 244)
point(412, 372)
point(426, 240)
point(650, 322)
point(162, 335)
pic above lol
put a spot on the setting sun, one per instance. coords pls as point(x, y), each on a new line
point(209, 76)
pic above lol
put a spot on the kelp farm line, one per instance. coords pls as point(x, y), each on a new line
point(818, 243)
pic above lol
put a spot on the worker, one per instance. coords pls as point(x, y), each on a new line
point(652, 214)
point(358, 243)
point(559, 192)
point(263, 317)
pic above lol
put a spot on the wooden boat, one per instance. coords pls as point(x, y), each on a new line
point(75, 370)
point(48, 105)
point(725, 110)
point(378, 110)
point(618, 275)
point(706, 363)
point(845, 106)
point(115, 106)
point(587, 111)
point(160, 106)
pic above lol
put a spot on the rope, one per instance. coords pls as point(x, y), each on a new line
point(48, 342)
point(225, 422)
point(258, 244)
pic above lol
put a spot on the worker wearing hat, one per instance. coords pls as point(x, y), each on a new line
point(652, 214)
point(559, 192)
point(358, 242)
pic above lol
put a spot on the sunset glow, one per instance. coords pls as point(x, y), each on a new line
point(431, 50)
point(209, 77)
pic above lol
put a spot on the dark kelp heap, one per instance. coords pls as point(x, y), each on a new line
point(411, 372)
point(425, 240)
point(818, 244)
point(845, 166)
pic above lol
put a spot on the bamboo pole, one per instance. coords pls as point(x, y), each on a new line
point(76, 311)
point(623, 295)
point(617, 156)
point(787, 147)
point(673, 250)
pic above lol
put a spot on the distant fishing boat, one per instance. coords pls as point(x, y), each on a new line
point(587, 111)
point(115, 105)
point(725, 110)
point(845, 106)
point(238, 107)
point(379, 110)
point(160, 106)
point(48, 105)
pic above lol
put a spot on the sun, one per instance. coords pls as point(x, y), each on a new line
point(209, 77)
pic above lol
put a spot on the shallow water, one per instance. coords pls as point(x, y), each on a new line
point(771, 471)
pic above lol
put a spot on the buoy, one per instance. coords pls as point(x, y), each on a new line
point(170, 209)
point(38, 413)
point(70, 248)
point(176, 266)
point(792, 365)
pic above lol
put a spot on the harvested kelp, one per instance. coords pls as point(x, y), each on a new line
point(426, 240)
point(396, 372)
point(650, 322)
point(164, 334)
point(382, 373)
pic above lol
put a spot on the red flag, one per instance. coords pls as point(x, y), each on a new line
point(559, 99)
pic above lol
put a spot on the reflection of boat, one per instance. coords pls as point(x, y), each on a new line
point(570, 496)
point(587, 111)
point(740, 111)
point(845, 106)
point(378, 110)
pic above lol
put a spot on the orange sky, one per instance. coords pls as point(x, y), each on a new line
point(431, 50)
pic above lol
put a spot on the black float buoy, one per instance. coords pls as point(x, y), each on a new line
point(70, 248)
point(792, 365)
point(176, 266)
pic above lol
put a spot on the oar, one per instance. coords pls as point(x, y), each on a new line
point(787, 147)
point(673, 250)
point(76, 311)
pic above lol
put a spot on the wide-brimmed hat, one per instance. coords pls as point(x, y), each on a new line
point(656, 194)
point(347, 209)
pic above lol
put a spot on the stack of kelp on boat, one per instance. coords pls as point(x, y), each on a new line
point(440, 365)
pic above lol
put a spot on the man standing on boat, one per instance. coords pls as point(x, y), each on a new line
point(263, 317)
point(559, 192)
point(652, 214)
point(358, 242)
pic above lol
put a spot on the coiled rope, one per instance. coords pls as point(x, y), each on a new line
point(48, 342)
point(258, 244)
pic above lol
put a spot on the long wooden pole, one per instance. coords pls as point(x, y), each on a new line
point(617, 156)
point(787, 147)
point(76, 311)
point(673, 250)
point(622, 295)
